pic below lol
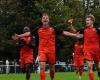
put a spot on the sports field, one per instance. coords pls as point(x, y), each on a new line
point(58, 76)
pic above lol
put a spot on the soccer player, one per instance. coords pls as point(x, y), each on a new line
point(26, 52)
point(46, 47)
point(78, 58)
point(91, 45)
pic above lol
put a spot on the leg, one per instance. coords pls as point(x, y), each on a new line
point(89, 57)
point(96, 60)
point(81, 66)
point(42, 63)
point(80, 72)
point(90, 66)
point(52, 71)
point(76, 70)
point(51, 60)
point(42, 70)
point(28, 70)
point(22, 65)
point(98, 68)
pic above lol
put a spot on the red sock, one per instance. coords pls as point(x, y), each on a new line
point(52, 72)
point(91, 76)
point(80, 72)
point(42, 75)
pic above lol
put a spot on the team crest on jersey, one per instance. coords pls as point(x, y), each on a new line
point(94, 29)
point(51, 29)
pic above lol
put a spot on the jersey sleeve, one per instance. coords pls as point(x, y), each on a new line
point(34, 31)
point(98, 30)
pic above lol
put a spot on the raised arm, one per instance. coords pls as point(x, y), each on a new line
point(70, 25)
point(17, 36)
point(66, 33)
point(23, 35)
point(73, 30)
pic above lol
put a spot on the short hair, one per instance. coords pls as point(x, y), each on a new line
point(44, 13)
point(91, 16)
point(26, 29)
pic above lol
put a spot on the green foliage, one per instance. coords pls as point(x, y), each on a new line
point(15, 14)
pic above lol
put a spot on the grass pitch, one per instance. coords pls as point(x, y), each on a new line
point(58, 76)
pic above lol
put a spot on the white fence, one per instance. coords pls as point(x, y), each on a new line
point(58, 68)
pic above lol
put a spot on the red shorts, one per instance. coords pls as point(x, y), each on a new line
point(25, 60)
point(78, 62)
point(92, 55)
point(47, 55)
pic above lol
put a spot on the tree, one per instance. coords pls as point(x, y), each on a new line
point(15, 14)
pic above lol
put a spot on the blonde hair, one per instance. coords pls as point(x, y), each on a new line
point(91, 16)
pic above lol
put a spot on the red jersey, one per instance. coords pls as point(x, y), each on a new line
point(91, 43)
point(25, 50)
point(46, 37)
point(78, 50)
point(47, 42)
point(78, 55)
point(91, 38)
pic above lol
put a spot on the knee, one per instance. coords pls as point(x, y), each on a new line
point(81, 68)
point(89, 67)
point(52, 67)
point(28, 70)
point(42, 68)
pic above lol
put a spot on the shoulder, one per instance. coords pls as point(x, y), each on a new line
point(75, 44)
point(98, 30)
point(34, 30)
point(52, 27)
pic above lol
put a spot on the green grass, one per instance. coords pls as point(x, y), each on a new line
point(58, 76)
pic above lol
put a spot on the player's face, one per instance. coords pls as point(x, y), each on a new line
point(89, 22)
point(45, 19)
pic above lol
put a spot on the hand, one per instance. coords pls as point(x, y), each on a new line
point(79, 35)
point(15, 37)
